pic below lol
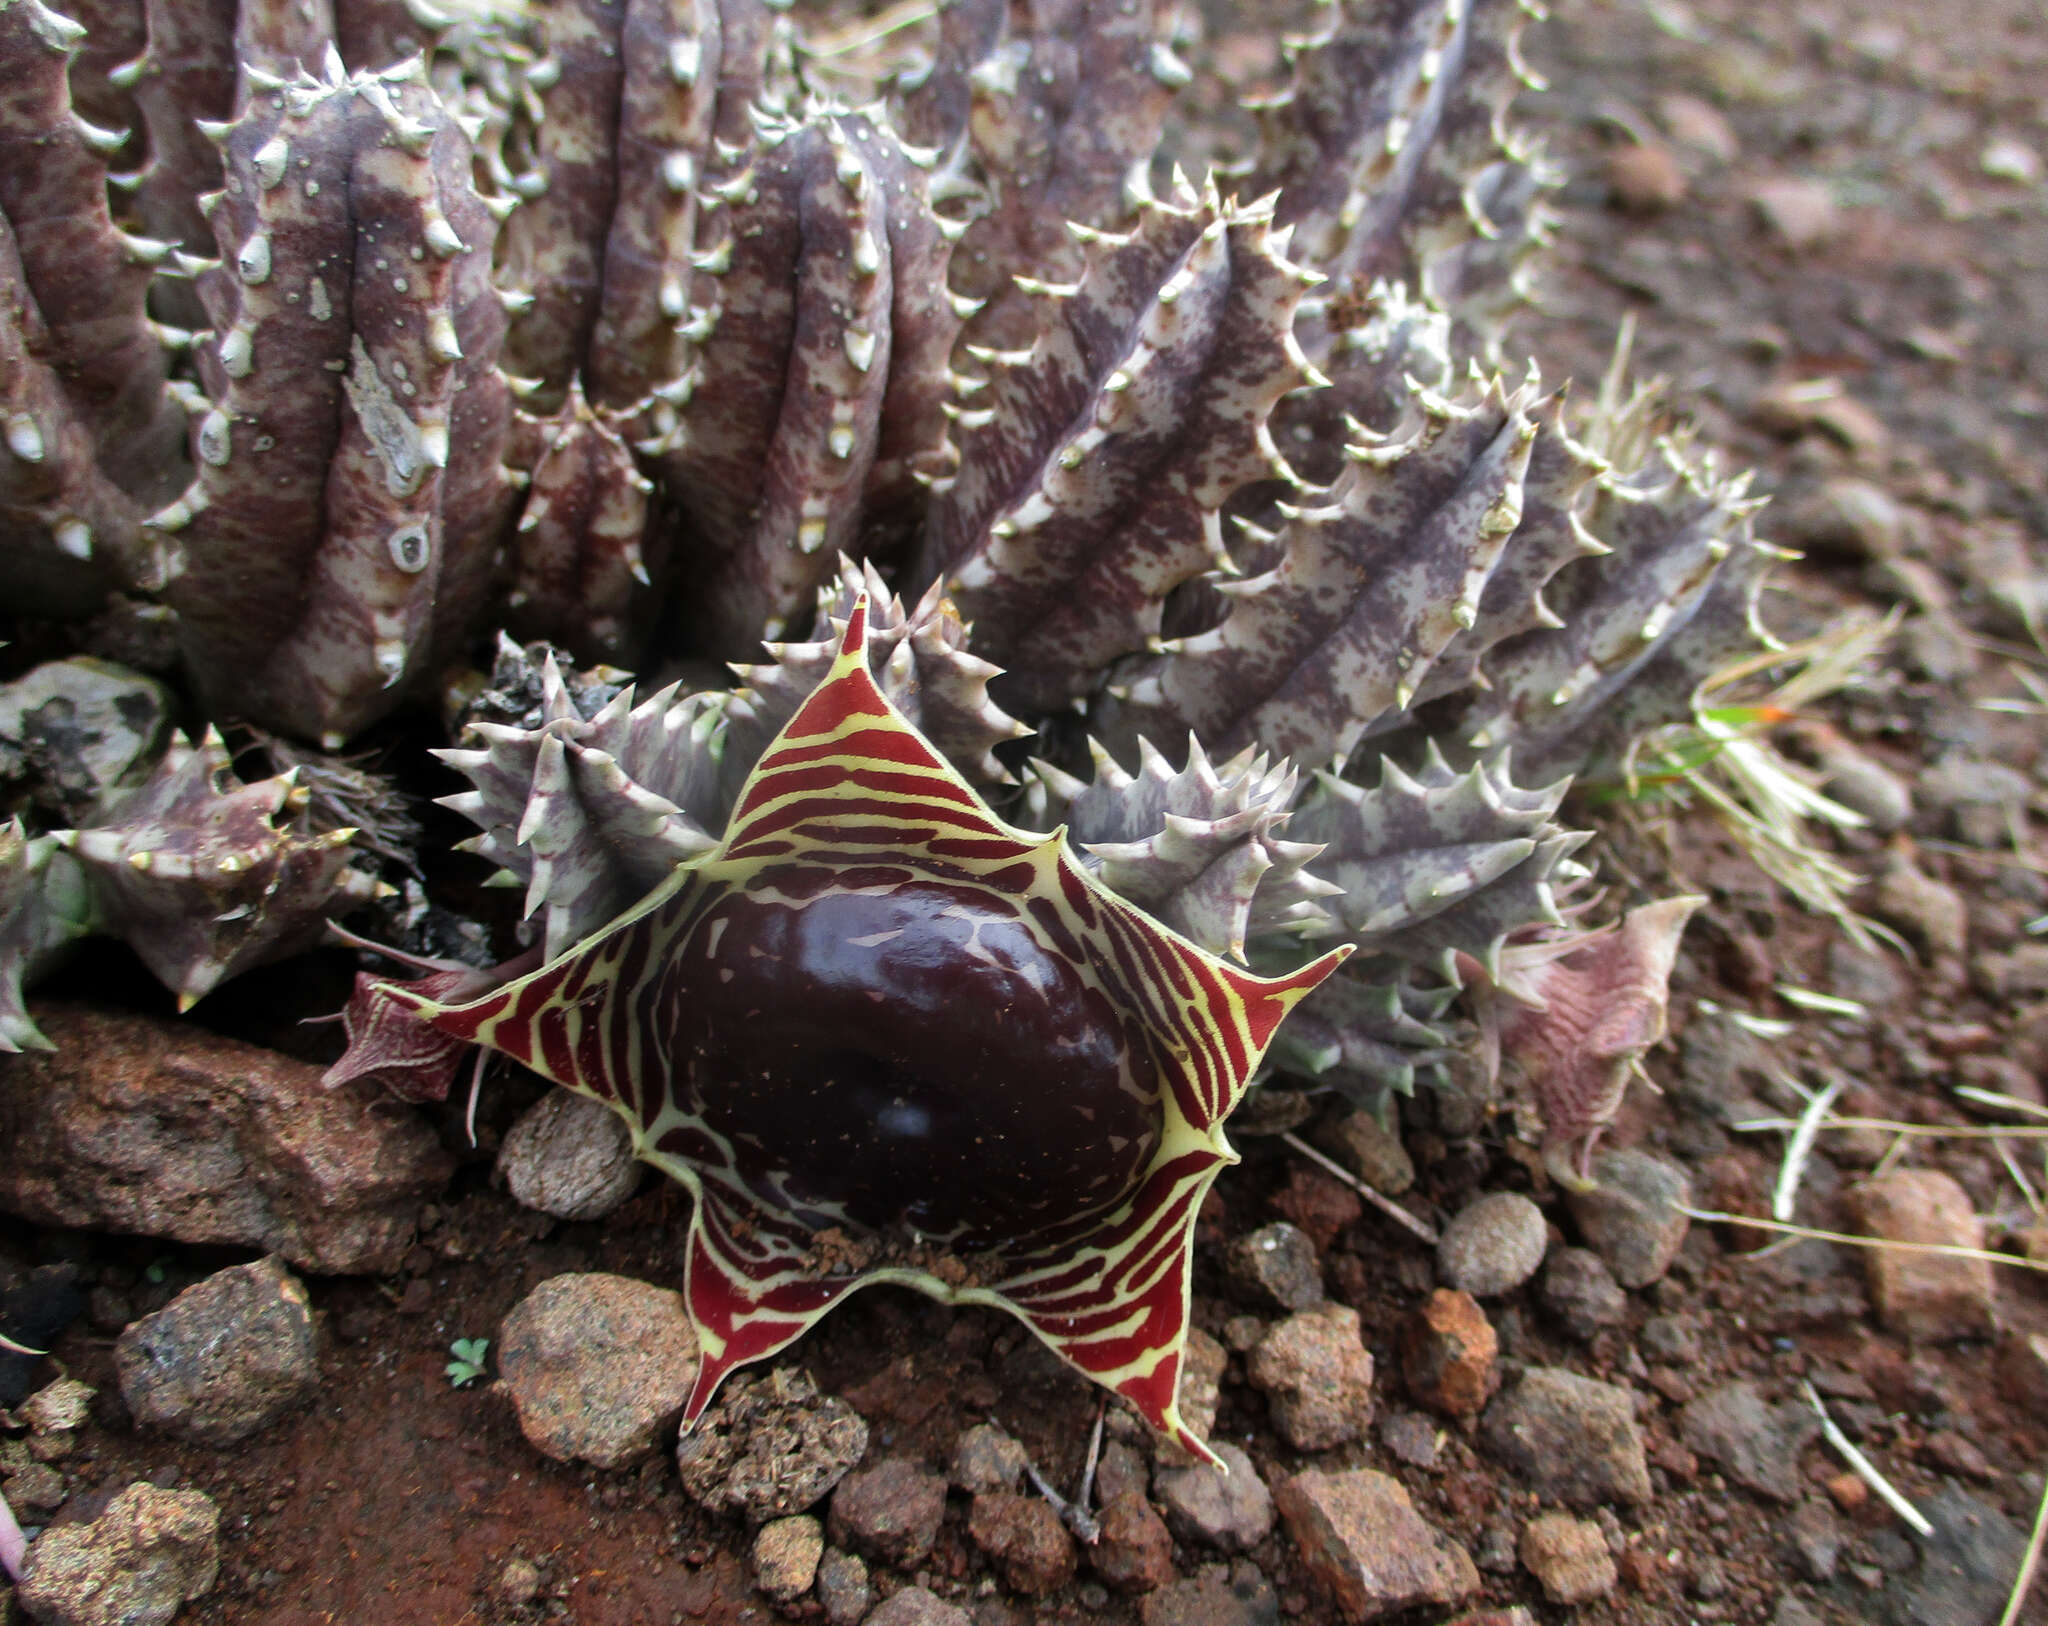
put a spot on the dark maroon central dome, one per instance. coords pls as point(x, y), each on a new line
point(917, 1058)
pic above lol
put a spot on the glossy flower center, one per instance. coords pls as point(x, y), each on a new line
point(916, 1058)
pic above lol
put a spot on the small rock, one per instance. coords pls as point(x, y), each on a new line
point(1983, 801)
point(1580, 1293)
point(598, 1367)
point(1569, 1437)
point(843, 1588)
point(1845, 516)
point(225, 1358)
point(1756, 1444)
point(1121, 1469)
point(1820, 406)
point(1672, 1339)
point(61, 1406)
point(151, 1127)
point(569, 1156)
point(1200, 1392)
point(1493, 1245)
point(1870, 977)
point(1929, 913)
point(519, 1582)
point(914, 1606)
point(786, 1555)
point(2022, 1368)
point(1317, 1377)
point(1239, 1596)
point(1319, 1204)
point(1816, 1537)
point(1864, 785)
point(1274, 1268)
point(1233, 1511)
point(890, 1512)
point(1412, 1438)
point(1134, 1552)
point(1449, 1354)
point(1026, 1537)
point(1645, 179)
point(37, 1488)
point(1633, 1215)
point(1920, 1295)
point(1700, 126)
point(1569, 1557)
point(2018, 975)
point(770, 1445)
point(1966, 1567)
point(985, 1459)
point(148, 1552)
point(1361, 1537)
point(1801, 214)
point(1370, 1150)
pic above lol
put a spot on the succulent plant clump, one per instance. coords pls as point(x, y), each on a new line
point(996, 403)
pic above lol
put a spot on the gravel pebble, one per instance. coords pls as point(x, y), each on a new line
point(1317, 1377)
point(1134, 1552)
point(1412, 1438)
point(1569, 1437)
point(1449, 1354)
point(149, 1552)
point(786, 1554)
point(1644, 178)
point(224, 1359)
point(518, 1583)
point(890, 1512)
point(986, 1459)
point(1233, 1511)
point(597, 1366)
point(1918, 1295)
point(1569, 1557)
point(1360, 1535)
point(1931, 914)
point(1580, 1293)
point(915, 1606)
point(843, 1589)
point(1025, 1536)
point(1370, 1150)
point(1756, 1444)
point(36, 1488)
point(1238, 1596)
point(1493, 1246)
point(1673, 1339)
point(770, 1445)
point(1274, 1268)
point(569, 1156)
point(1800, 213)
point(1633, 1214)
point(1847, 517)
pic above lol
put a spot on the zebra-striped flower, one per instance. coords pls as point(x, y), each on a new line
point(882, 1036)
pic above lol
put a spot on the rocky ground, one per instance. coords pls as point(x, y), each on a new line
point(1831, 224)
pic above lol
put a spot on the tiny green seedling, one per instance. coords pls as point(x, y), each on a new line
point(468, 1364)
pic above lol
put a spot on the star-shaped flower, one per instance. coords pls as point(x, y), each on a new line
point(882, 1036)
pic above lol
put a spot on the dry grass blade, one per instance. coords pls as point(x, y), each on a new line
point(1799, 1147)
point(1866, 1470)
point(1947, 1250)
point(1386, 1205)
point(2023, 1582)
